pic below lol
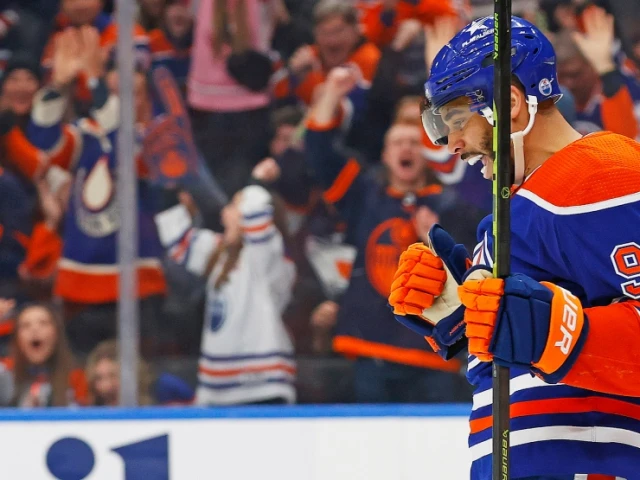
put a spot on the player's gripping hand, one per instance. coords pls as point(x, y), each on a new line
point(518, 322)
point(424, 293)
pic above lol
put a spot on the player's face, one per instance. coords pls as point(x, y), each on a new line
point(471, 138)
point(402, 153)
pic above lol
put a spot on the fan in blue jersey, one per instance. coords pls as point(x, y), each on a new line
point(567, 321)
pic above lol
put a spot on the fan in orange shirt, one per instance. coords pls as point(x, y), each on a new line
point(338, 43)
point(380, 19)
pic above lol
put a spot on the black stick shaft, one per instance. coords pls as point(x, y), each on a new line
point(502, 181)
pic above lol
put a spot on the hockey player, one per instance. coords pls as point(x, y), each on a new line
point(567, 321)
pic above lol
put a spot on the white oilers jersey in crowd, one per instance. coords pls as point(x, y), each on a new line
point(246, 353)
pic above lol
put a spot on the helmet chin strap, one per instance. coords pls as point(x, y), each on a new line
point(517, 138)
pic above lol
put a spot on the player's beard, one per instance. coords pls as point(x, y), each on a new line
point(485, 148)
point(487, 145)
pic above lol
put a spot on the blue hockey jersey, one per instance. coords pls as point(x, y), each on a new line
point(574, 222)
point(380, 226)
point(88, 271)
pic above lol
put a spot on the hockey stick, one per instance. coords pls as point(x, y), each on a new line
point(502, 181)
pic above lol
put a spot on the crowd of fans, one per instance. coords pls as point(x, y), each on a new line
point(282, 169)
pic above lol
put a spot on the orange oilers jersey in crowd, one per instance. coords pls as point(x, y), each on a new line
point(88, 269)
point(575, 222)
point(364, 60)
point(619, 113)
point(380, 26)
point(380, 226)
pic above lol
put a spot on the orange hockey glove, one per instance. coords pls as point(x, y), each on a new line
point(519, 322)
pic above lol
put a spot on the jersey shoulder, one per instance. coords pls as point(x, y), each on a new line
point(600, 168)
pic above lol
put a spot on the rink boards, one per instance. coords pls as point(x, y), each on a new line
point(252, 443)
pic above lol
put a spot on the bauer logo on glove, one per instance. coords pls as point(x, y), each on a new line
point(518, 322)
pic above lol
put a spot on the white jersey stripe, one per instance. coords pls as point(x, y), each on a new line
point(563, 432)
point(517, 384)
point(578, 209)
point(473, 363)
point(488, 261)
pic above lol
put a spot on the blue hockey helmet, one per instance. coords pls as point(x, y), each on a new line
point(463, 70)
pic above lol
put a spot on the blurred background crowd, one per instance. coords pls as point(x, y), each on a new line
point(281, 170)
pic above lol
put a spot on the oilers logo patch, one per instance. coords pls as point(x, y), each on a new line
point(216, 313)
point(93, 200)
point(545, 87)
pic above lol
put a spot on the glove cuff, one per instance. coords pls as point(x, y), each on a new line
point(558, 375)
point(446, 338)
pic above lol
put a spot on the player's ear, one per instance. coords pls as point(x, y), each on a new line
point(517, 101)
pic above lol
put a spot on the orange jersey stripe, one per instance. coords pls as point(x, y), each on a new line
point(80, 287)
point(237, 371)
point(43, 253)
point(257, 228)
point(563, 405)
point(158, 42)
point(22, 154)
point(343, 182)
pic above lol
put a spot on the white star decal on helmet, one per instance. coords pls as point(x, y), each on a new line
point(476, 25)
